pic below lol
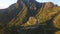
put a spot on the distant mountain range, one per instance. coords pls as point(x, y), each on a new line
point(30, 17)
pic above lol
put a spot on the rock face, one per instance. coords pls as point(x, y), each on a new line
point(30, 17)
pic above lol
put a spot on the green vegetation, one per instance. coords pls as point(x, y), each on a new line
point(27, 18)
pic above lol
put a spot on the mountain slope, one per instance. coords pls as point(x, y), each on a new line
point(30, 17)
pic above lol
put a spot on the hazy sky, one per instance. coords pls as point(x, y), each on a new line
point(7, 3)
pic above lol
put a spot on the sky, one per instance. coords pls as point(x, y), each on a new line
point(6, 3)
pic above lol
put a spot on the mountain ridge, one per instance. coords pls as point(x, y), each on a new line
point(29, 15)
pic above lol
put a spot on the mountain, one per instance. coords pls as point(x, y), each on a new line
point(30, 17)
